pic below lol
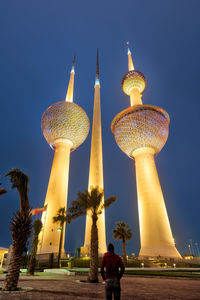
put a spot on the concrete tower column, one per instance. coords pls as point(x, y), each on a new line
point(141, 131)
point(56, 197)
point(155, 232)
point(96, 172)
point(65, 126)
point(135, 97)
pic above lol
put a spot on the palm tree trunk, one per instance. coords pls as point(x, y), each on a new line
point(31, 265)
point(124, 251)
point(93, 273)
point(60, 246)
point(10, 284)
point(21, 229)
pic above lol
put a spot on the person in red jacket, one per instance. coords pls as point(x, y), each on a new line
point(114, 272)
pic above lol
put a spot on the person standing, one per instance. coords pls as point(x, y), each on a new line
point(114, 272)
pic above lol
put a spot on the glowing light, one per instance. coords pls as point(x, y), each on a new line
point(97, 81)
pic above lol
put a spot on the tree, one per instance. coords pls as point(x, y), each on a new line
point(37, 227)
point(122, 232)
point(91, 202)
point(20, 228)
point(61, 218)
point(2, 190)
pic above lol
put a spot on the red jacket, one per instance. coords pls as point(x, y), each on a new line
point(112, 262)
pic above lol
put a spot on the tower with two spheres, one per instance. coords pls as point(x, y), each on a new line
point(141, 131)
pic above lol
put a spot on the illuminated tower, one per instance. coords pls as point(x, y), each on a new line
point(65, 126)
point(141, 132)
point(96, 170)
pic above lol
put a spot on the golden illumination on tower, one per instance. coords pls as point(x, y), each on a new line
point(65, 126)
point(141, 131)
point(96, 171)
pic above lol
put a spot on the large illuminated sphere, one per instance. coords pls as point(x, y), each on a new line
point(141, 126)
point(65, 121)
point(133, 79)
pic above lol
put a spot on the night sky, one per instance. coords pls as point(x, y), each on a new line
point(37, 42)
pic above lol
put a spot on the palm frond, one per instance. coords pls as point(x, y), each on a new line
point(20, 181)
point(122, 231)
point(61, 217)
point(3, 191)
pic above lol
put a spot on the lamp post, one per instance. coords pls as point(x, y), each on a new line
point(60, 229)
point(197, 246)
point(189, 247)
point(192, 248)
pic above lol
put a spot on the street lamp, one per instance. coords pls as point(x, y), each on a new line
point(196, 244)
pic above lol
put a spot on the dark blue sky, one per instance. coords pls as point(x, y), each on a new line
point(37, 42)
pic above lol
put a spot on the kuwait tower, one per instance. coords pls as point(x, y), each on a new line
point(65, 126)
point(141, 131)
point(96, 171)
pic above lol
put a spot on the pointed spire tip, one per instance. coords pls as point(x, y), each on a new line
point(97, 82)
point(128, 46)
point(97, 66)
point(73, 65)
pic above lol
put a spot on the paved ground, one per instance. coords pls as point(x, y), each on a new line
point(143, 288)
point(67, 287)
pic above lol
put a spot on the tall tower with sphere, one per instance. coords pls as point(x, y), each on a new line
point(65, 126)
point(96, 171)
point(141, 131)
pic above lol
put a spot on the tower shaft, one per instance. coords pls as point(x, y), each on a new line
point(135, 97)
point(96, 173)
point(56, 198)
point(130, 61)
point(69, 96)
point(155, 232)
point(57, 190)
point(141, 132)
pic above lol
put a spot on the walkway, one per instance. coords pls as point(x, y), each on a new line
point(68, 287)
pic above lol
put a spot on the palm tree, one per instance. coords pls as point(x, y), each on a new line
point(37, 226)
point(61, 218)
point(91, 201)
point(20, 228)
point(122, 232)
point(2, 190)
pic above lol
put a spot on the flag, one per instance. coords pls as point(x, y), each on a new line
point(39, 210)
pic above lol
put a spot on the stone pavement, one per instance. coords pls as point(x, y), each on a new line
point(69, 287)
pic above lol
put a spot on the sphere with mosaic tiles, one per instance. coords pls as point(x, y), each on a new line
point(65, 121)
point(141, 126)
point(133, 79)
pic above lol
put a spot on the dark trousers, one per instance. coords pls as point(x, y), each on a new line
point(112, 288)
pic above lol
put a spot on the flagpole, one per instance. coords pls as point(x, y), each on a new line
point(42, 236)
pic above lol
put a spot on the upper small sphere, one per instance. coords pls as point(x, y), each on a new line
point(133, 79)
point(141, 126)
point(66, 121)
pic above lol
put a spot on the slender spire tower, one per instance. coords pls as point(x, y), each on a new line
point(96, 170)
point(141, 132)
point(65, 126)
